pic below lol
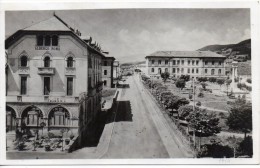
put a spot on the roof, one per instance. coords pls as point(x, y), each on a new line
point(185, 54)
point(51, 24)
point(244, 68)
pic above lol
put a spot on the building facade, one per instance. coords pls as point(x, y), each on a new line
point(193, 63)
point(53, 76)
point(107, 71)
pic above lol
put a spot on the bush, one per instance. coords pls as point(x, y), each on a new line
point(198, 103)
point(249, 80)
point(216, 151)
point(202, 79)
point(246, 147)
point(212, 79)
point(249, 88)
point(200, 94)
point(236, 79)
point(185, 77)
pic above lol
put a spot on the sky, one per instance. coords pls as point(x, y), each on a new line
point(131, 34)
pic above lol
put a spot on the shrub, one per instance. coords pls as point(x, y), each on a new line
point(185, 77)
point(200, 94)
point(216, 151)
point(212, 79)
point(180, 83)
point(198, 103)
point(249, 80)
point(202, 79)
point(236, 79)
point(249, 88)
point(246, 147)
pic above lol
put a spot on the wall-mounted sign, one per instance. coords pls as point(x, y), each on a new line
point(47, 48)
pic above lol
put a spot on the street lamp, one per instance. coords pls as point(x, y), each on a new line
point(62, 131)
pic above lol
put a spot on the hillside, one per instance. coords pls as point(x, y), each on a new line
point(243, 47)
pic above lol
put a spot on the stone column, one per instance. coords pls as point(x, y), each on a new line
point(234, 74)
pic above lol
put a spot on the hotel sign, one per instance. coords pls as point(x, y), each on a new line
point(47, 48)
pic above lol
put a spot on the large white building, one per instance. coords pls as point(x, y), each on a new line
point(193, 63)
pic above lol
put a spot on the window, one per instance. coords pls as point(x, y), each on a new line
point(213, 62)
point(166, 62)
point(197, 70)
point(39, 40)
point(70, 86)
point(219, 71)
point(47, 61)
point(152, 61)
point(173, 62)
point(70, 62)
point(166, 69)
point(182, 62)
point(159, 62)
point(182, 70)
point(178, 62)
point(23, 61)
point(219, 62)
point(178, 70)
point(159, 70)
point(152, 69)
point(47, 41)
point(54, 40)
point(188, 62)
point(173, 70)
point(105, 83)
point(46, 86)
point(193, 62)
point(105, 72)
point(192, 70)
point(206, 71)
point(105, 63)
point(212, 71)
point(197, 62)
point(23, 85)
point(188, 70)
point(206, 62)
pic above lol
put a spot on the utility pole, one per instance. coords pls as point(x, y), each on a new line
point(193, 90)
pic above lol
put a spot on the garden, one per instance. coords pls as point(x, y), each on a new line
point(203, 126)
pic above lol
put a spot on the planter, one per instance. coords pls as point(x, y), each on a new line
point(47, 147)
point(67, 141)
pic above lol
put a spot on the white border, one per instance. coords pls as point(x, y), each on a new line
point(80, 4)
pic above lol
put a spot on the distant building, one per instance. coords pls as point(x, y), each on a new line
point(116, 71)
point(107, 71)
point(142, 68)
point(53, 76)
point(193, 63)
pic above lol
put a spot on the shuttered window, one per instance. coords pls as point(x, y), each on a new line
point(23, 85)
point(69, 86)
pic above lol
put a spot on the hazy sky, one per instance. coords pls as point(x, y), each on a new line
point(131, 34)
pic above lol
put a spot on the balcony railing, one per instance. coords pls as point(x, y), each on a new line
point(49, 99)
point(24, 70)
point(70, 71)
point(46, 70)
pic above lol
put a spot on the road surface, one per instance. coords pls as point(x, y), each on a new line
point(140, 130)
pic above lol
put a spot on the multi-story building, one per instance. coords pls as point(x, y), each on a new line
point(53, 76)
point(107, 71)
point(193, 63)
point(116, 71)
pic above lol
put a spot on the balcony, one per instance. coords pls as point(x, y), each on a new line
point(70, 71)
point(46, 71)
point(24, 70)
point(45, 98)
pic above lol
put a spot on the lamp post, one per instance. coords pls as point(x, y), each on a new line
point(62, 131)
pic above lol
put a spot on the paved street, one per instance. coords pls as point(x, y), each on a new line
point(140, 130)
point(137, 130)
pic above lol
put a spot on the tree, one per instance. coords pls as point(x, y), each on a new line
point(176, 102)
point(228, 82)
point(240, 117)
point(201, 121)
point(220, 82)
point(165, 76)
point(184, 111)
point(246, 147)
point(203, 84)
point(212, 79)
point(180, 83)
point(185, 77)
